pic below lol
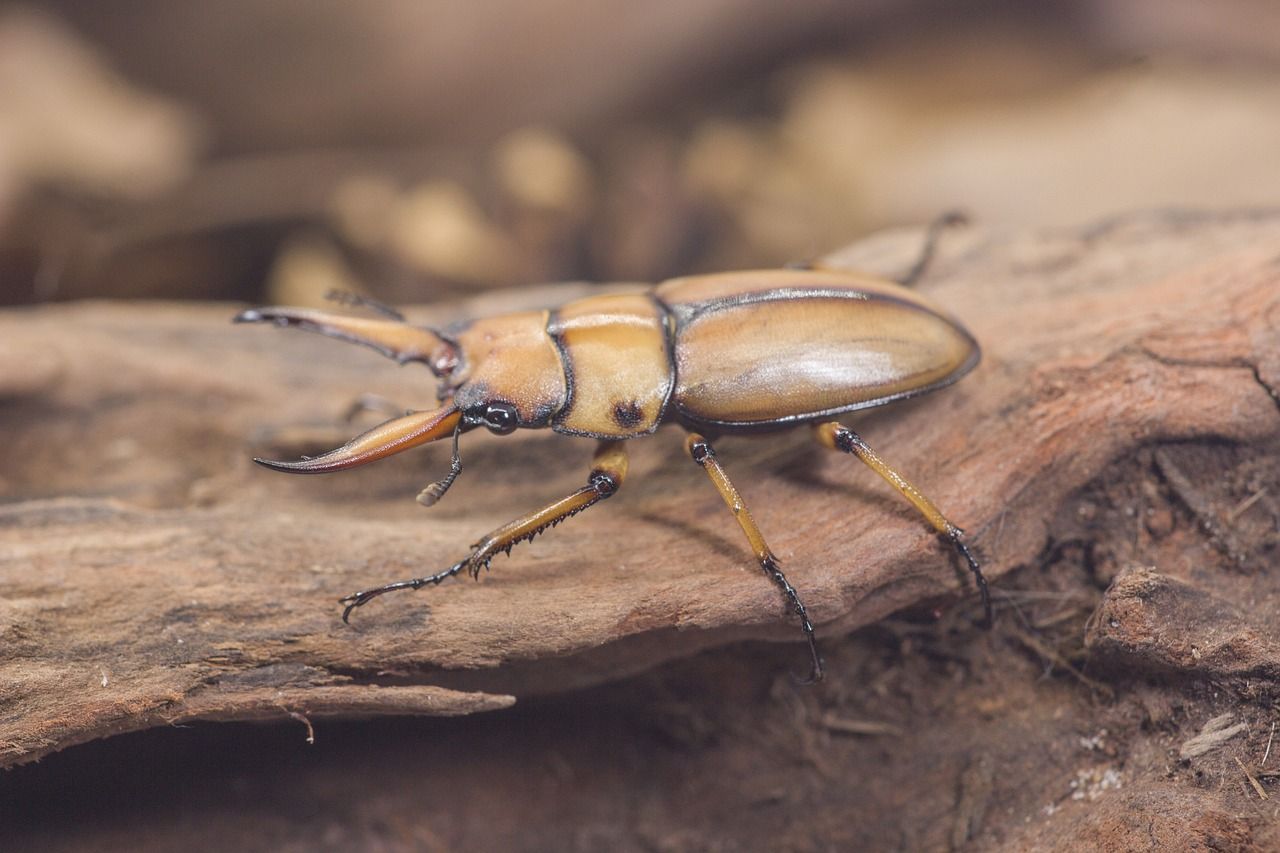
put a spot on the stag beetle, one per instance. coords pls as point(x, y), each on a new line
point(722, 354)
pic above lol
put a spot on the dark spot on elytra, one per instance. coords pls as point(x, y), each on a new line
point(627, 415)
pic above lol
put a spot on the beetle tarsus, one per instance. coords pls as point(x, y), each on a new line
point(770, 566)
point(360, 599)
point(476, 566)
point(955, 537)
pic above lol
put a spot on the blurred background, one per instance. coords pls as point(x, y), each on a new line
point(420, 150)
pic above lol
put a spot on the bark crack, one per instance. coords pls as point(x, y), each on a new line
point(1229, 364)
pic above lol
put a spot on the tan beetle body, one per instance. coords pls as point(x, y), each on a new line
point(725, 353)
point(717, 354)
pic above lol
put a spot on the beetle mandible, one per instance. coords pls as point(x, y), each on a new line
point(721, 354)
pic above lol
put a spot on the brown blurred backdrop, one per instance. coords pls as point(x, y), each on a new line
point(413, 150)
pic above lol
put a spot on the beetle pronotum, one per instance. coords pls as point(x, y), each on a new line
point(722, 354)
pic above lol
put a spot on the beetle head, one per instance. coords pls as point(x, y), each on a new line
point(502, 373)
point(395, 339)
point(508, 374)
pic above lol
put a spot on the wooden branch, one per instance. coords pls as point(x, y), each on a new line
point(150, 573)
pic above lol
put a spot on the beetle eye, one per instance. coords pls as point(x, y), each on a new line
point(501, 418)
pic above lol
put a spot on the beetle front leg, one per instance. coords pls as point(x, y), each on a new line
point(702, 452)
point(608, 470)
point(836, 436)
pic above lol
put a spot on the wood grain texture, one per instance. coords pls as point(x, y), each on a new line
point(149, 573)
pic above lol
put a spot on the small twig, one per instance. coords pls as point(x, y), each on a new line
point(1029, 595)
point(1213, 734)
point(974, 795)
point(1057, 618)
point(1257, 786)
point(1243, 507)
point(1271, 737)
point(1200, 505)
point(1051, 655)
point(302, 718)
point(869, 728)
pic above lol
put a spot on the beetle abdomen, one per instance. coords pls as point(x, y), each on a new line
point(759, 349)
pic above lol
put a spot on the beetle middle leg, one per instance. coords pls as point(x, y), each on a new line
point(836, 436)
point(702, 452)
point(608, 470)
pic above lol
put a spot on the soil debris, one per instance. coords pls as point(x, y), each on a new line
point(1213, 734)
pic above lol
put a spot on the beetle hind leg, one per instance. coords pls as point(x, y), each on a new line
point(608, 470)
point(932, 235)
point(702, 453)
point(836, 436)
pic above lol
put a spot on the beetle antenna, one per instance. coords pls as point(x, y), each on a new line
point(358, 300)
point(435, 491)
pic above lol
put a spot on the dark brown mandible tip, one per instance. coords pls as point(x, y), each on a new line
point(395, 435)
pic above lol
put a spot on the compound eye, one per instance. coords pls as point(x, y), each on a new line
point(501, 418)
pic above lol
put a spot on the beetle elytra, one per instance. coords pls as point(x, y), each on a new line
point(715, 354)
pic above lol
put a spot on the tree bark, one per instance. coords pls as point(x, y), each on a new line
point(150, 573)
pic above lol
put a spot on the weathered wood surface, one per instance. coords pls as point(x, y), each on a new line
point(149, 573)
